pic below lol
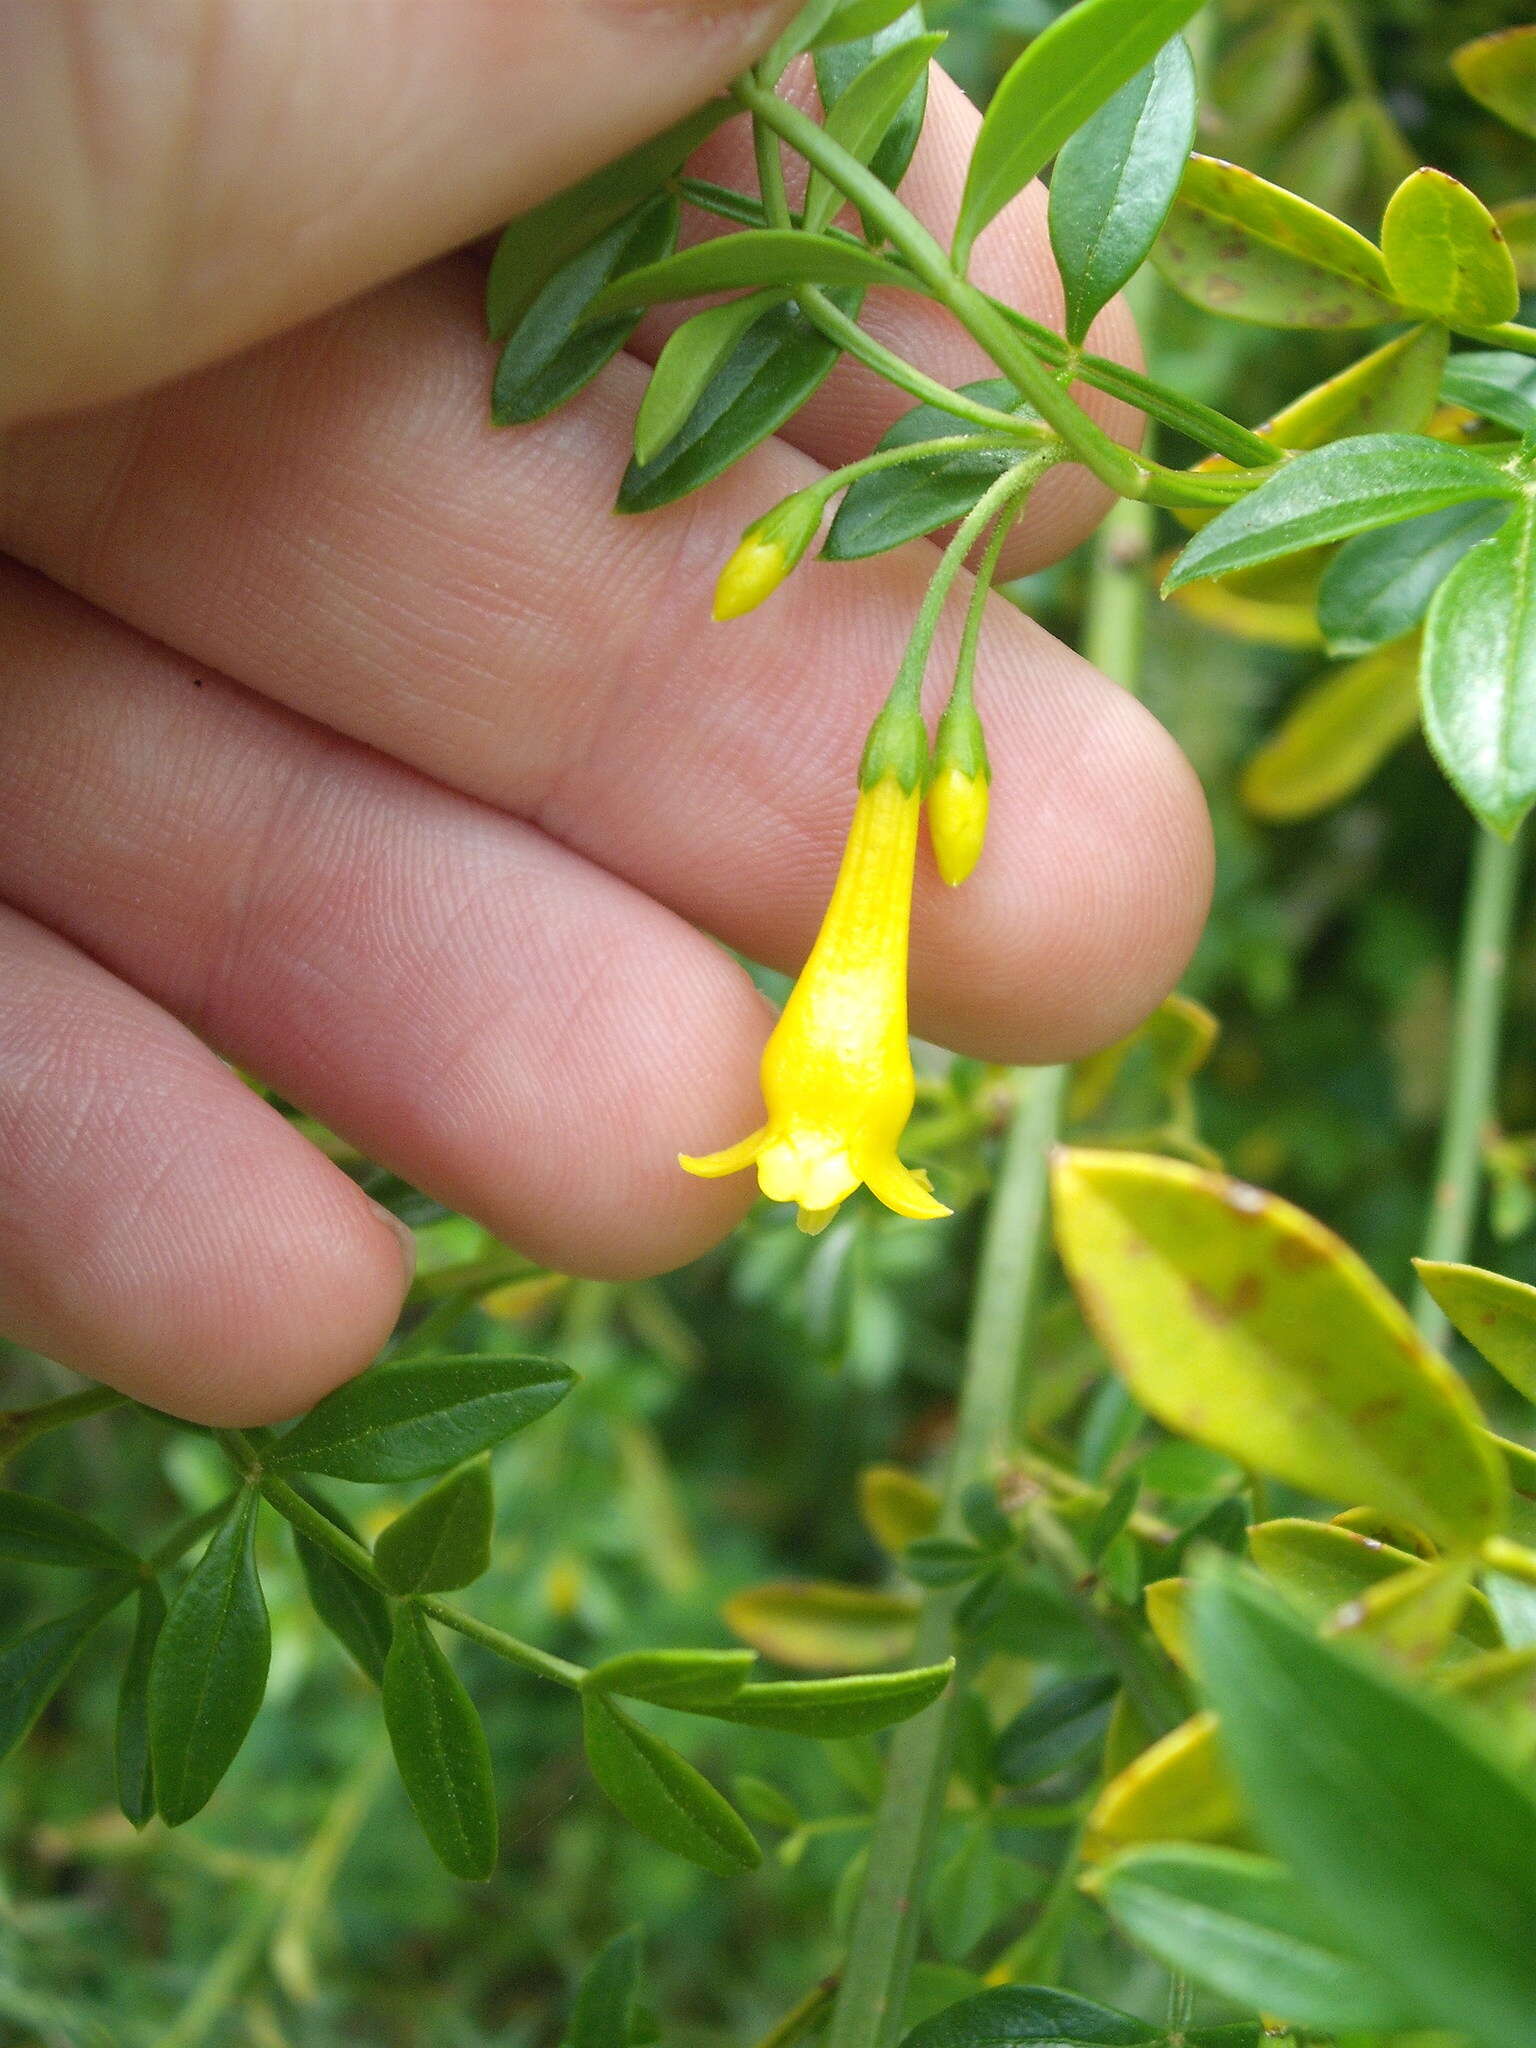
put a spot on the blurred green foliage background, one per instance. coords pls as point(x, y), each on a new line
point(725, 1413)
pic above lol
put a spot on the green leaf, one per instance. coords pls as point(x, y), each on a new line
point(443, 1540)
point(1499, 71)
point(1495, 383)
point(963, 1896)
point(33, 1665)
point(896, 1506)
point(862, 113)
point(134, 1768)
point(1245, 1325)
point(1479, 673)
point(943, 1561)
point(1445, 254)
point(1407, 1833)
point(767, 1804)
point(1242, 1926)
point(1056, 1728)
point(830, 1707)
point(555, 348)
point(1348, 487)
point(853, 19)
point(823, 1627)
point(1115, 180)
point(1378, 586)
point(411, 1420)
point(1064, 75)
point(769, 374)
point(1336, 734)
point(760, 256)
point(839, 65)
point(1239, 246)
point(604, 2012)
point(689, 359)
point(1497, 1316)
point(356, 1613)
point(688, 1679)
point(440, 1749)
point(897, 505)
point(209, 1668)
point(1018, 2015)
point(34, 1531)
point(661, 1794)
point(539, 243)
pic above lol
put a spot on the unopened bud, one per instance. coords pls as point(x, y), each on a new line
point(768, 550)
point(959, 793)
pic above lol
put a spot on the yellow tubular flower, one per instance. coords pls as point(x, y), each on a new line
point(837, 1072)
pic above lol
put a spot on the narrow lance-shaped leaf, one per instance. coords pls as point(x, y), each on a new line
point(1379, 585)
point(1241, 1322)
point(410, 1420)
point(766, 256)
point(209, 1668)
point(1479, 673)
point(661, 1794)
point(604, 2011)
point(769, 374)
point(1239, 246)
point(815, 1626)
point(555, 348)
point(838, 65)
point(1242, 1926)
point(1115, 180)
point(836, 1707)
point(1068, 71)
point(35, 1531)
point(443, 1540)
point(1020, 2015)
point(33, 1665)
point(440, 1749)
point(535, 246)
point(860, 117)
point(689, 358)
point(1365, 1788)
point(1445, 254)
point(1348, 487)
point(689, 1679)
point(135, 1771)
point(356, 1613)
point(1496, 1315)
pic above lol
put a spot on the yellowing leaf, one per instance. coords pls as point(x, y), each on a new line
point(1497, 1316)
point(1445, 254)
point(896, 1506)
point(1168, 1616)
point(1335, 735)
point(1413, 1616)
point(1336, 1574)
point(1517, 224)
point(1176, 1791)
point(1242, 1323)
point(1393, 390)
point(1270, 623)
point(823, 1627)
point(1177, 1037)
point(1238, 245)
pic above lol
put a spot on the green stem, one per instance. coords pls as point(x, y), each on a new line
point(1492, 894)
point(1509, 334)
point(1115, 626)
point(797, 2023)
point(23, 1426)
point(181, 1540)
point(854, 341)
point(884, 1932)
point(913, 451)
point(500, 1644)
point(770, 174)
point(970, 636)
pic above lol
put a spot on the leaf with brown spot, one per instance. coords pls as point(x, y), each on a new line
point(1319, 1379)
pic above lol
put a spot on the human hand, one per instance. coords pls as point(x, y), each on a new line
point(363, 744)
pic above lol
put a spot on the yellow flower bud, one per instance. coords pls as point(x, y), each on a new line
point(957, 821)
point(754, 572)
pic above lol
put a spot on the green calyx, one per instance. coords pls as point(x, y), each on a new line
point(898, 746)
point(961, 744)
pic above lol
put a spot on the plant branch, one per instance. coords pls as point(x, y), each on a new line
point(884, 1932)
point(22, 1426)
point(1492, 894)
point(510, 1648)
point(854, 341)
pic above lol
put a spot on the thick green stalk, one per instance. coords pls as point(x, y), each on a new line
point(1492, 894)
point(1115, 627)
point(884, 1932)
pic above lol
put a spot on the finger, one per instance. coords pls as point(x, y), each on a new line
point(1012, 260)
point(330, 521)
point(160, 1228)
point(214, 170)
point(506, 1026)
